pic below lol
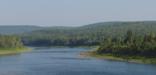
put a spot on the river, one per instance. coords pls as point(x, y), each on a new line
point(67, 61)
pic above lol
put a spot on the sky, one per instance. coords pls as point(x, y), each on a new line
point(74, 12)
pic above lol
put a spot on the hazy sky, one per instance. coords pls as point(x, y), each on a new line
point(74, 12)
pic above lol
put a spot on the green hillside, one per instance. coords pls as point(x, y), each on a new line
point(91, 34)
point(17, 29)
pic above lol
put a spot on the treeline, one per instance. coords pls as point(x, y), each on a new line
point(10, 41)
point(88, 35)
point(130, 45)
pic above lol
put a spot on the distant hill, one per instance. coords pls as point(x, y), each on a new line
point(91, 34)
point(15, 29)
point(103, 28)
point(88, 34)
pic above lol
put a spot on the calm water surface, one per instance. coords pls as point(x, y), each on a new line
point(67, 61)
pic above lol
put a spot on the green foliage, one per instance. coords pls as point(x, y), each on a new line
point(8, 41)
point(88, 35)
point(130, 45)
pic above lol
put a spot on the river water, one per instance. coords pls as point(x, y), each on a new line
point(67, 61)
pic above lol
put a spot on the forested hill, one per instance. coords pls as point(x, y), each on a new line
point(17, 29)
point(91, 34)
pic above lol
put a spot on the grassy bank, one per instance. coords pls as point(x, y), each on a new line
point(10, 51)
point(132, 59)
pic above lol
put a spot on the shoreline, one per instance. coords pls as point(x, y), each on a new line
point(139, 60)
point(14, 51)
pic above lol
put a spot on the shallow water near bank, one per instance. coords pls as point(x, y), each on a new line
point(67, 61)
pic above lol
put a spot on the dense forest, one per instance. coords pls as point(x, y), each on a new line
point(10, 42)
point(88, 35)
point(130, 45)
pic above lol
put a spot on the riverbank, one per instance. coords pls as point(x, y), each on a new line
point(134, 59)
point(10, 51)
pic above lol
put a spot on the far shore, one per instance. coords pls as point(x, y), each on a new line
point(13, 51)
point(140, 60)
